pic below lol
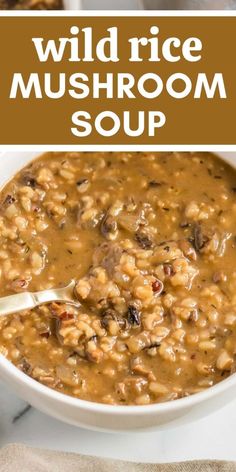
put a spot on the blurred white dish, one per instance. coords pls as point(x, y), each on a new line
point(189, 4)
point(72, 4)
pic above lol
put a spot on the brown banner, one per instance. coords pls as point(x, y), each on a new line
point(165, 119)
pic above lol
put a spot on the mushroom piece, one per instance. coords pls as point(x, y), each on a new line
point(143, 240)
point(199, 238)
point(110, 315)
point(109, 227)
point(134, 316)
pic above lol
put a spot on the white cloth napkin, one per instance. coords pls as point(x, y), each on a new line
point(20, 458)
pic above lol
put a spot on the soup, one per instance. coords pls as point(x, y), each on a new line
point(150, 240)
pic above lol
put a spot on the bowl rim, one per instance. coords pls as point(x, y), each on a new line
point(12, 372)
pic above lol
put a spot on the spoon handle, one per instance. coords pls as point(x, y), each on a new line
point(17, 302)
point(27, 300)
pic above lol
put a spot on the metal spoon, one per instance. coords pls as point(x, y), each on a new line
point(28, 300)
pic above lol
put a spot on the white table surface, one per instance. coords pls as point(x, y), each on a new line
point(212, 437)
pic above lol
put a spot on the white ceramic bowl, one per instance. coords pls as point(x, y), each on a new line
point(108, 417)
